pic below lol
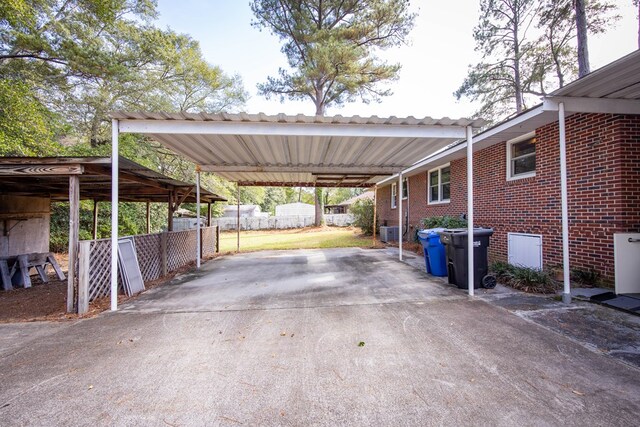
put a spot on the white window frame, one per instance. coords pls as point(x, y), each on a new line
point(394, 195)
point(440, 201)
point(405, 188)
point(510, 176)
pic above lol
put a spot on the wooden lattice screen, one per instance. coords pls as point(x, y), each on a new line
point(158, 254)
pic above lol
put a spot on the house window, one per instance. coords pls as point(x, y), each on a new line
point(439, 185)
point(405, 188)
point(394, 195)
point(521, 157)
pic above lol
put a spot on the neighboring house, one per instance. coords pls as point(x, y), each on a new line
point(246, 211)
point(295, 209)
point(343, 208)
point(517, 182)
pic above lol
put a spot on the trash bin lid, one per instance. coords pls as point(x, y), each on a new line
point(427, 231)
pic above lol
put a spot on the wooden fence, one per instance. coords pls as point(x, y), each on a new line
point(158, 255)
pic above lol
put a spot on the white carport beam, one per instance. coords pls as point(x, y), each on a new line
point(198, 235)
point(470, 242)
point(114, 215)
point(341, 170)
point(591, 105)
point(566, 295)
point(399, 202)
point(178, 127)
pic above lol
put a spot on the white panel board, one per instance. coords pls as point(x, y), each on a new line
point(128, 260)
point(626, 249)
point(525, 250)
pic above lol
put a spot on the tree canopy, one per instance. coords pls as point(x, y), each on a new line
point(331, 47)
point(528, 48)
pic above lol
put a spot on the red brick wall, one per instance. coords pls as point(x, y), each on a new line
point(603, 160)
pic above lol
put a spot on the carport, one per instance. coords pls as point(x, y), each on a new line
point(308, 151)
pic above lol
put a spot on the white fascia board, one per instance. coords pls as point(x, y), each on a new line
point(592, 105)
point(388, 181)
point(314, 169)
point(489, 133)
point(290, 129)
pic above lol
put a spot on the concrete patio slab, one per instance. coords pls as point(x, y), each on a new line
point(274, 339)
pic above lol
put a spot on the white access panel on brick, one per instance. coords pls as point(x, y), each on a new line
point(525, 250)
point(626, 254)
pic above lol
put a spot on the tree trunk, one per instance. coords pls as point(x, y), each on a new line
point(516, 66)
point(319, 207)
point(583, 48)
point(319, 219)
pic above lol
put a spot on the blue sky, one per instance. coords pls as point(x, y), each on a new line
point(434, 64)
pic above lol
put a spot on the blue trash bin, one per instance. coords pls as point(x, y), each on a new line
point(434, 251)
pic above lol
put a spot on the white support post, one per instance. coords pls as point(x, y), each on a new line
point(566, 295)
point(198, 236)
point(114, 214)
point(399, 201)
point(470, 265)
point(238, 221)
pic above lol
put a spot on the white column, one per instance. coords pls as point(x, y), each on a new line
point(114, 214)
point(470, 266)
point(198, 237)
point(566, 295)
point(399, 201)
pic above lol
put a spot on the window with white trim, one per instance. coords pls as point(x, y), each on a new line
point(405, 188)
point(394, 195)
point(521, 157)
point(439, 188)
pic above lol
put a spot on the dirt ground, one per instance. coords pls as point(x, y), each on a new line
point(47, 301)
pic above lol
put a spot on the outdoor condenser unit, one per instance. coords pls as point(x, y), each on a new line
point(389, 234)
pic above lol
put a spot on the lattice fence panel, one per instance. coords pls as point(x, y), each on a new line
point(149, 254)
point(181, 248)
point(100, 269)
point(208, 241)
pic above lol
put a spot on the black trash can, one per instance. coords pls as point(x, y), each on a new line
point(456, 242)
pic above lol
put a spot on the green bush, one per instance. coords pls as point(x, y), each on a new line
point(523, 278)
point(444, 222)
point(585, 277)
point(362, 212)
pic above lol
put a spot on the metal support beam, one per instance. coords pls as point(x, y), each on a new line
point(566, 295)
point(114, 214)
point(238, 221)
point(470, 245)
point(198, 236)
point(375, 213)
point(339, 171)
point(399, 201)
point(591, 105)
point(289, 129)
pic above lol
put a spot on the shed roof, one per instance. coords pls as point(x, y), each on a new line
point(320, 151)
point(49, 176)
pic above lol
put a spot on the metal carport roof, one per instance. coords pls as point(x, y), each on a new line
point(309, 151)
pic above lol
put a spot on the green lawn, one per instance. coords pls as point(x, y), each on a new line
point(328, 237)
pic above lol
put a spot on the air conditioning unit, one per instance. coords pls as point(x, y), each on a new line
point(389, 234)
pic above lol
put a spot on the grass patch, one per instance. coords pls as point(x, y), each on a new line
point(306, 238)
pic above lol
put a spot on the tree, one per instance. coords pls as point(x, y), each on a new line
point(581, 30)
point(523, 44)
point(559, 32)
point(331, 50)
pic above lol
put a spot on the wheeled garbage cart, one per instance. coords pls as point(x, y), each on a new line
point(456, 243)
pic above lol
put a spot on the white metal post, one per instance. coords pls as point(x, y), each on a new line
point(470, 265)
point(198, 236)
point(566, 295)
point(399, 201)
point(114, 214)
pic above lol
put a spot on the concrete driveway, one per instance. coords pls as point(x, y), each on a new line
point(314, 337)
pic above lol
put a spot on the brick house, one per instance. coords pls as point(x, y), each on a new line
point(517, 181)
